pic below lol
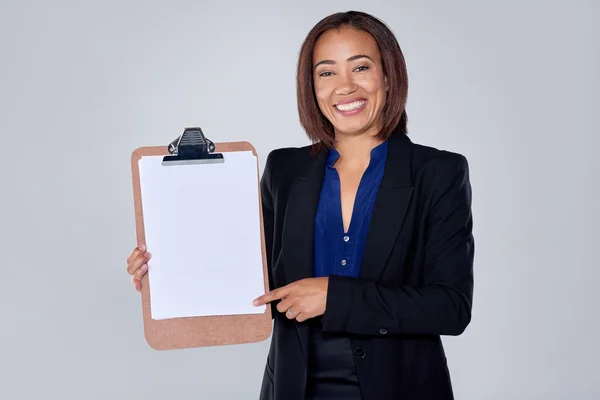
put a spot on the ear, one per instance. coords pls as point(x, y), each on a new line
point(387, 86)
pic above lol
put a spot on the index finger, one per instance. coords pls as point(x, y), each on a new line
point(136, 252)
point(271, 296)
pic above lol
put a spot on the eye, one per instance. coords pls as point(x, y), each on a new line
point(361, 68)
point(325, 74)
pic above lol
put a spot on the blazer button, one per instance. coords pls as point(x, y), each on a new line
point(360, 352)
point(383, 331)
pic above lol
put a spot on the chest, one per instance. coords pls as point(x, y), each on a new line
point(349, 181)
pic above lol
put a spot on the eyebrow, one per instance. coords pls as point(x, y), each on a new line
point(356, 57)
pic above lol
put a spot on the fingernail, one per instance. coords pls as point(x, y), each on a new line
point(146, 254)
point(144, 267)
point(142, 247)
point(255, 302)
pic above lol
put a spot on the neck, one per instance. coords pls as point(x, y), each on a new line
point(356, 149)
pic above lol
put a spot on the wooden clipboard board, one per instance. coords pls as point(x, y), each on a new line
point(193, 332)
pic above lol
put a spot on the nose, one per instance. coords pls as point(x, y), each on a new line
point(345, 85)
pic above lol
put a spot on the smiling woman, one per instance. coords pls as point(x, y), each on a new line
point(368, 236)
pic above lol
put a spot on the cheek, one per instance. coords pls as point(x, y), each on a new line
point(378, 91)
point(371, 84)
point(322, 95)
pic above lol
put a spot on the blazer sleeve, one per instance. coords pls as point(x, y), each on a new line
point(268, 215)
point(442, 306)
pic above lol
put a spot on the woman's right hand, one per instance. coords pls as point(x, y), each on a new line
point(137, 265)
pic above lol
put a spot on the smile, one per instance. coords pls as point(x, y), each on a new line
point(351, 107)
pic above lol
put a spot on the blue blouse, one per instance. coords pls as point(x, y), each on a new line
point(337, 252)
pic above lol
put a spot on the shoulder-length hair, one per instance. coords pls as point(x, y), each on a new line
point(318, 128)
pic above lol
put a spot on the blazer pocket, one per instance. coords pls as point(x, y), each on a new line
point(429, 362)
point(436, 376)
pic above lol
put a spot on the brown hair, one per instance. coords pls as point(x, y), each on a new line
point(317, 127)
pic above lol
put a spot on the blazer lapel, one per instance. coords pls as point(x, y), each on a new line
point(299, 221)
point(298, 229)
point(390, 207)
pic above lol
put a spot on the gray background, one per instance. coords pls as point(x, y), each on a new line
point(513, 85)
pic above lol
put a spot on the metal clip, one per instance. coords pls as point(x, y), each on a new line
point(192, 147)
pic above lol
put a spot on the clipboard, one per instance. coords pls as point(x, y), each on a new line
point(193, 148)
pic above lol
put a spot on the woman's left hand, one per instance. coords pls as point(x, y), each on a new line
point(302, 300)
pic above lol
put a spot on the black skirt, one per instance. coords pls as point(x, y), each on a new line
point(331, 370)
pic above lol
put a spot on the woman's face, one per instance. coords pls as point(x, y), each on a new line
point(349, 82)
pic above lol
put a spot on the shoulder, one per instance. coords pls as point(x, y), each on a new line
point(283, 164)
point(427, 157)
point(286, 161)
point(438, 168)
point(288, 157)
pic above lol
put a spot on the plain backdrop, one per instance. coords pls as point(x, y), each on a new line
point(512, 85)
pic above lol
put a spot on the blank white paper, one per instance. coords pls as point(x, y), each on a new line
point(202, 227)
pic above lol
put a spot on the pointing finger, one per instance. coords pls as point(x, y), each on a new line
point(271, 296)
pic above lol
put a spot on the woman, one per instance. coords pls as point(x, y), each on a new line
point(369, 236)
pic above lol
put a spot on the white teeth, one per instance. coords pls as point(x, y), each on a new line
point(350, 106)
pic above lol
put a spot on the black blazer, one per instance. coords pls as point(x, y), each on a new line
point(416, 280)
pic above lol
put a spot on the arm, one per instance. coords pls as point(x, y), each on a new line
point(442, 306)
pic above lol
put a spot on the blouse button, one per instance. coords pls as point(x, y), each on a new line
point(344, 262)
point(346, 238)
